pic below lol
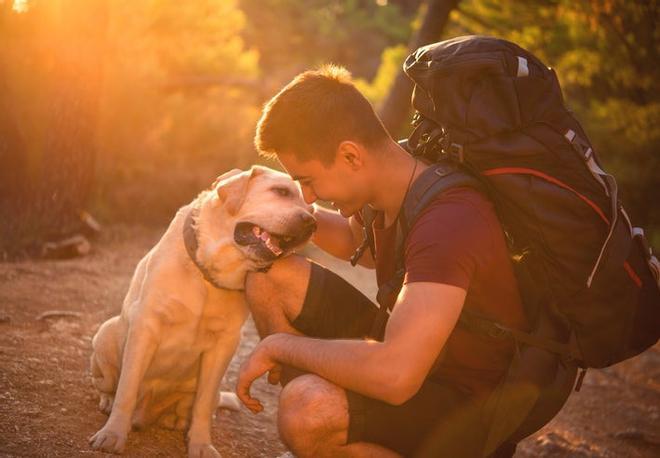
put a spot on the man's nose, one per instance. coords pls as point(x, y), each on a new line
point(308, 195)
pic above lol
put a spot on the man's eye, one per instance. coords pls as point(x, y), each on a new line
point(284, 192)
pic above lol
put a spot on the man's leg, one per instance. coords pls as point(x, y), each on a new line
point(313, 421)
point(313, 418)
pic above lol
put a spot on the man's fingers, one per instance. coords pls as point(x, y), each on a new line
point(255, 406)
point(243, 390)
point(243, 385)
point(251, 403)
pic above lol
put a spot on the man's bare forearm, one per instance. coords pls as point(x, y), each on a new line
point(363, 366)
point(333, 234)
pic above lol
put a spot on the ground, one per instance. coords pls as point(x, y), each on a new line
point(49, 408)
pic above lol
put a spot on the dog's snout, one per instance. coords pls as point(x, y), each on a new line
point(308, 220)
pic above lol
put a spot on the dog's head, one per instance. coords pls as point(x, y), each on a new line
point(270, 217)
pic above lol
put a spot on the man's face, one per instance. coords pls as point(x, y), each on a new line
point(341, 183)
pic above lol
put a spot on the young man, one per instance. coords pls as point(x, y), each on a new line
point(419, 386)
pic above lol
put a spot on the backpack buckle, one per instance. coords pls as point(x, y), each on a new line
point(455, 152)
point(416, 119)
point(497, 332)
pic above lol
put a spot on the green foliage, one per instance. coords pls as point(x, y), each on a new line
point(292, 36)
point(182, 62)
point(182, 82)
point(391, 62)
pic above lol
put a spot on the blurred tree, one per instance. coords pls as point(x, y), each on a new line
point(161, 138)
point(293, 36)
point(13, 169)
point(395, 111)
point(87, 86)
point(51, 52)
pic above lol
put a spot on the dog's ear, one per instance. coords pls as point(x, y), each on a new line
point(224, 176)
point(232, 187)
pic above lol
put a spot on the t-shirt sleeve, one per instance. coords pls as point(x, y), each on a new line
point(449, 240)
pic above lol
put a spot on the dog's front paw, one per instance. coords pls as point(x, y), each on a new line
point(109, 439)
point(202, 451)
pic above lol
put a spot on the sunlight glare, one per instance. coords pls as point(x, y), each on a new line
point(21, 6)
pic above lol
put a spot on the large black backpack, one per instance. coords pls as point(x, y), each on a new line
point(492, 116)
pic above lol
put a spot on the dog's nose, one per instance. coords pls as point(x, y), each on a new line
point(308, 221)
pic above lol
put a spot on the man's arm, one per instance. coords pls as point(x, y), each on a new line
point(392, 370)
point(339, 236)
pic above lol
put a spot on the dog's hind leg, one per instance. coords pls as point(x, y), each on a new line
point(179, 419)
point(104, 363)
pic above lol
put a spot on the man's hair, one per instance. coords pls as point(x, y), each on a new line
point(314, 113)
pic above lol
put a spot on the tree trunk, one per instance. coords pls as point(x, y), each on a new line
point(395, 111)
point(69, 151)
point(13, 176)
point(49, 183)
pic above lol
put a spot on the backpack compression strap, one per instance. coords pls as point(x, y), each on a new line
point(368, 216)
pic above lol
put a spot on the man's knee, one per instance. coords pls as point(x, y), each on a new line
point(312, 416)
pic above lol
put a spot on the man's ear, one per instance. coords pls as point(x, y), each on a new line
point(351, 154)
point(233, 189)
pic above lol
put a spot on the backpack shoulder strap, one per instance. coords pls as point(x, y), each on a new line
point(431, 183)
point(435, 180)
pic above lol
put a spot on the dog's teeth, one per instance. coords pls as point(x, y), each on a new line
point(256, 230)
point(274, 248)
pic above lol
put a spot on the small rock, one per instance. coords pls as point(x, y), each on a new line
point(631, 434)
point(71, 247)
point(552, 444)
point(635, 435)
point(90, 227)
point(33, 412)
point(58, 314)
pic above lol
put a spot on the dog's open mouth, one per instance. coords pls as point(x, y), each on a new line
point(268, 245)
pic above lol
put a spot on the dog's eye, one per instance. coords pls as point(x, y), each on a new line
point(284, 192)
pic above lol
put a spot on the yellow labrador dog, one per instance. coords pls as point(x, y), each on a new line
point(163, 358)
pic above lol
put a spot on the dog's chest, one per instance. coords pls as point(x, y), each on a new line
point(217, 318)
point(223, 312)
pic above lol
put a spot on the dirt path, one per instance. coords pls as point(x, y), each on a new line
point(48, 407)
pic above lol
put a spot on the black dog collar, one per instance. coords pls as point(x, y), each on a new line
point(191, 243)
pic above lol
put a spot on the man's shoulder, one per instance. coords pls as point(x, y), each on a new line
point(460, 206)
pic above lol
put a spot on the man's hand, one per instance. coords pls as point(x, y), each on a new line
point(257, 364)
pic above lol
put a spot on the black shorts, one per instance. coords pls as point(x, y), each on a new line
point(439, 420)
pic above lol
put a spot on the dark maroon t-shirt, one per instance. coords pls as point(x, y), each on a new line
point(457, 240)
